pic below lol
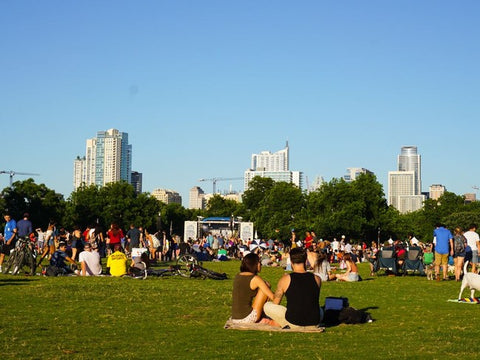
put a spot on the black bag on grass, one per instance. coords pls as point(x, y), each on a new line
point(351, 315)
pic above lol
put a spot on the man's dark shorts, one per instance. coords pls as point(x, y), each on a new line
point(7, 248)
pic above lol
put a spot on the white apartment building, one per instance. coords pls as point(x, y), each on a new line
point(317, 183)
point(401, 185)
point(354, 172)
point(196, 198)
point(108, 158)
point(167, 196)
point(273, 165)
point(436, 190)
point(267, 161)
point(79, 172)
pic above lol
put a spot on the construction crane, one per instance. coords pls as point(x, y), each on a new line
point(476, 188)
point(214, 181)
point(13, 173)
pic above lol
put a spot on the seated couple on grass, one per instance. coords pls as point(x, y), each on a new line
point(301, 288)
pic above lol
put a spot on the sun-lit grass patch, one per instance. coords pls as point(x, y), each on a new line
point(174, 317)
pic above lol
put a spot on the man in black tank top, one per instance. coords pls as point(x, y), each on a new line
point(302, 290)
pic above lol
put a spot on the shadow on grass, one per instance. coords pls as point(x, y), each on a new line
point(13, 281)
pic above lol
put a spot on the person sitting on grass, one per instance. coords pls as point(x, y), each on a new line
point(322, 268)
point(90, 261)
point(302, 290)
point(352, 271)
point(139, 264)
point(57, 262)
point(117, 262)
point(250, 291)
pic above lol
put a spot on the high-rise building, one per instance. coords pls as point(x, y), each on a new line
point(197, 198)
point(266, 161)
point(274, 166)
point(136, 181)
point(470, 197)
point(108, 158)
point(409, 160)
point(435, 191)
point(317, 183)
point(353, 173)
point(167, 196)
point(404, 185)
point(79, 173)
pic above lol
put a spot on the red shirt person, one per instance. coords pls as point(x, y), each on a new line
point(114, 236)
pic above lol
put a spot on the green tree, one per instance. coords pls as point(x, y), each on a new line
point(258, 188)
point(462, 219)
point(114, 203)
point(42, 203)
point(279, 211)
point(173, 217)
point(84, 207)
point(219, 206)
point(355, 209)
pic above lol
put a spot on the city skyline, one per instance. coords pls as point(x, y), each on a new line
point(201, 87)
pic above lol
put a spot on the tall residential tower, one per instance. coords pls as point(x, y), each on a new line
point(108, 158)
point(274, 166)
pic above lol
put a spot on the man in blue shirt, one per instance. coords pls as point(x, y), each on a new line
point(133, 237)
point(57, 262)
point(9, 237)
point(443, 247)
point(24, 226)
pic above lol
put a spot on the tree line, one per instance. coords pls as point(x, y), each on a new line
point(356, 209)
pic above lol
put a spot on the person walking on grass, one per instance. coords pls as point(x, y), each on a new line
point(473, 241)
point(443, 247)
point(459, 246)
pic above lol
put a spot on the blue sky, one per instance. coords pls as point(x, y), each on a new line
point(201, 85)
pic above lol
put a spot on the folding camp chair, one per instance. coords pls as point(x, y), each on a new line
point(413, 261)
point(386, 260)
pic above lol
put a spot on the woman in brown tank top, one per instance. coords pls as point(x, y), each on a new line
point(250, 291)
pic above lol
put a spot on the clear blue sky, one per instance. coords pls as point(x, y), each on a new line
point(201, 85)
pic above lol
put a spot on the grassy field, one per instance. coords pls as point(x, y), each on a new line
point(170, 318)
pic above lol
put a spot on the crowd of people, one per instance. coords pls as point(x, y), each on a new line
point(86, 247)
point(254, 300)
point(80, 251)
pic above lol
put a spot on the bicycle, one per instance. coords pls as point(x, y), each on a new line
point(187, 266)
point(21, 258)
point(182, 268)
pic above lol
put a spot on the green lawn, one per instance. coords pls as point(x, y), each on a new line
point(171, 318)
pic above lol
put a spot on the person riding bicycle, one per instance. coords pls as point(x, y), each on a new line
point(57, 262)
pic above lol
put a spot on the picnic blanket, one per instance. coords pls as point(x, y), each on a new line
point(265, 327)
point(472, 301)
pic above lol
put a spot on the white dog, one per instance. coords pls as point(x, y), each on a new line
point(471, 280)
